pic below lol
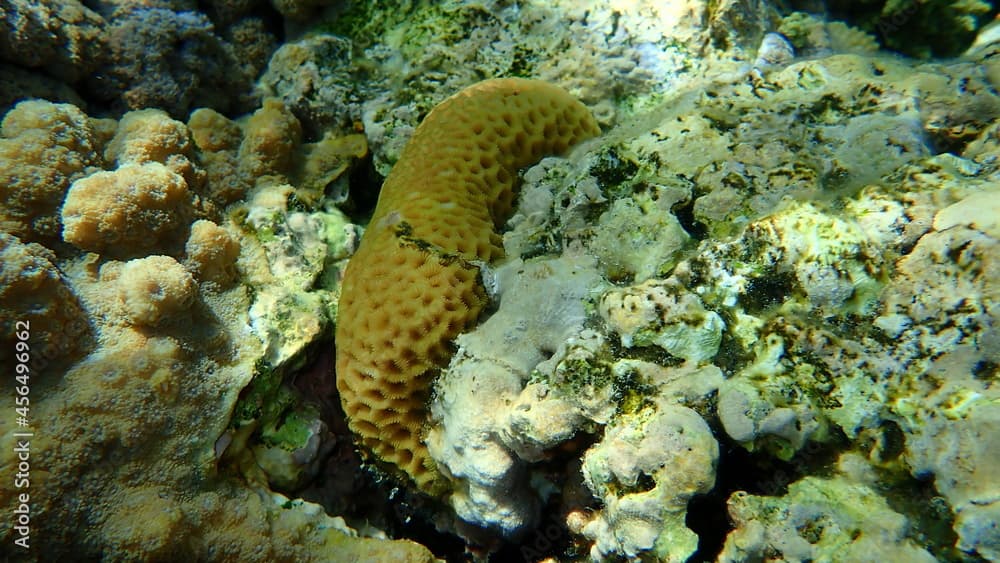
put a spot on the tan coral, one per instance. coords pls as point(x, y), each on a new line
point(43, 147)
point(133, 402)
point(213, 131)
point(148, 135)
point(413, 285)
point(217, 139)
point(135, 208)
point(34, 291)
point(155, 289)
point(325, 161)
point(212, 252)
point(270, 138)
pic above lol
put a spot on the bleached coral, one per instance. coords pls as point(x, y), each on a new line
point(644, 471)
point(639, 238)
point(426, 51)
point(541, 309)
point(666, 315)
point(946, 295)
point(834, 519)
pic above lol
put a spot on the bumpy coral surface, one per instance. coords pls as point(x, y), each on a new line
point(412, 286)
point(672, 447)
point(35, 293)
point(756, 319)
point(140, 341)
point(133, 208)
point(821, 519)
point(43, 147)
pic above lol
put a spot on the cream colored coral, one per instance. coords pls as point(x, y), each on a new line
point(148, 135)
point(665, 314)
point(136, 208)
point(645, 469)
point(211, 252)
point(43, 147)
point(154, 289)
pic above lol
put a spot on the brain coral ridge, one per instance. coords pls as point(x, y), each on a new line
point(414, 283)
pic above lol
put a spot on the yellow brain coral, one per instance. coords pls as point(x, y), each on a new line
point(413, 284)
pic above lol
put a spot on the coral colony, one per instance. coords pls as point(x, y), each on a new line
point(499, 281)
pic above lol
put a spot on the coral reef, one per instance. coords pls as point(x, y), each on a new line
point(644, 471)
point(141, 340)
point(434, 222)
point(664, 315)
point(780, 268)
point(483, 451)
point(941, 28)
point(385, 69)
point(129, 55)
point(131, 210)
point(830, 519)
point(43, 148)
point(211, 252)
point(35, 292)
point(154, 289)
point(63, 37)
point(205, 69)
point(756, 318)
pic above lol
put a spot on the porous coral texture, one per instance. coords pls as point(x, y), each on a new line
point(211, 252)
point(154, 289)
point(132, 209)
point(43, 147)
point(413, 285)
point(36, 299)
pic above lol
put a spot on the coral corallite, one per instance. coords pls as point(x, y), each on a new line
point(414, 285)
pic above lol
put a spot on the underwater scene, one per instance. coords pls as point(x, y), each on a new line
point(500, 281)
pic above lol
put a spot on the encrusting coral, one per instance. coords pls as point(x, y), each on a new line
point(130, 209)
point(776, 271)
point(414, 283)
point(35, 292)
point(141, 337)
point(43, 148)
